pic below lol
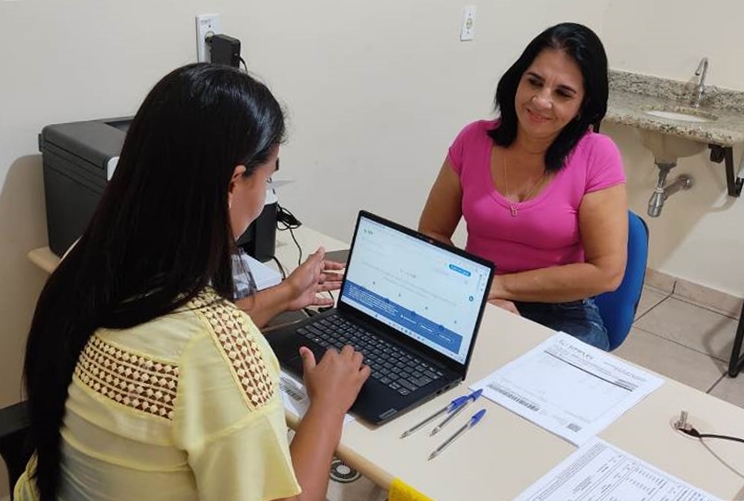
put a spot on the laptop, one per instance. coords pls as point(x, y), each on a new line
point(410, 304)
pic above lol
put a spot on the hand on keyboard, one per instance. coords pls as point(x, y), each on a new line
point(335, 381)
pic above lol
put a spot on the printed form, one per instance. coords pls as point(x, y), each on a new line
point(568, 387)
point(599, 471)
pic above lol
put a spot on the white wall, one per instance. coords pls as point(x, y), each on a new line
point(375, 92)
point(377, 95)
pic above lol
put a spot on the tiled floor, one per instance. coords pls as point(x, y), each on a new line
point(685, 342)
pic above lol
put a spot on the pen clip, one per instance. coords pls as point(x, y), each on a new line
point(477, 417)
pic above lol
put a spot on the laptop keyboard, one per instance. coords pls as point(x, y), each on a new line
point(391, 365)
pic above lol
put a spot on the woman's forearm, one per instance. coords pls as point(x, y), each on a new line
point(438, 236)
point(265, 304)
point(312, 450)
point(557, 284)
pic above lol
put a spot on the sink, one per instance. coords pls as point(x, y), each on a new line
point(667, 148)
point(682, 114)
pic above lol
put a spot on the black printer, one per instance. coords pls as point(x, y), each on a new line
point(79, 158)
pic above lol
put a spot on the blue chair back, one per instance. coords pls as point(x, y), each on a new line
point(618, 308)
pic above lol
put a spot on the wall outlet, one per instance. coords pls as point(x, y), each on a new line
point(206, 26)
point(467, 31)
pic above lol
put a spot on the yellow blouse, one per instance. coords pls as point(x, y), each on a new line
point(185, 407)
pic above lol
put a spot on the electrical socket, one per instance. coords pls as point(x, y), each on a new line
point(467, 31)
point(206, 26)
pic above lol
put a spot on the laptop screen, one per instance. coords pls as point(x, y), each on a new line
point(427, 293)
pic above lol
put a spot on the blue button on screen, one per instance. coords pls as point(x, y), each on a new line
point(459, 270)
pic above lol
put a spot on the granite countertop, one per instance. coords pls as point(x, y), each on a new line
point(631, 95)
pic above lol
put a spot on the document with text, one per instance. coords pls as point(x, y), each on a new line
point(599, 471)
point(568, 387)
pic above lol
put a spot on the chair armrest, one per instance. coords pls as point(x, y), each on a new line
point(14, 447)
point(13, 419)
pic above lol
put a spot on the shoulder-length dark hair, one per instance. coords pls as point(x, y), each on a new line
point(160, 234)
point(585, 47)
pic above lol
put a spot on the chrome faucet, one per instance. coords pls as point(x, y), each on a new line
point(701, 72)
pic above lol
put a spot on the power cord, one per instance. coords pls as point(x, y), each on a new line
point(683, 426)
point(285, 220)
point(282, 270)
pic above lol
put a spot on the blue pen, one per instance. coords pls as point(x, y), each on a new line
point(469, 399)
point(448, 408)
point(473, 421)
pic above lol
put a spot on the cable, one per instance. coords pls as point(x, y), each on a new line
point(694, 433)
point(299, 249)
point(285, 220)
point(685, 427)
point(245, 66)
point(281, 267)
point(285, 217)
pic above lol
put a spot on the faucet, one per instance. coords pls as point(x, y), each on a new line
point(701, 72)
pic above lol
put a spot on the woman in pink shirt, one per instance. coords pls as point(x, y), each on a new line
point(542, 195)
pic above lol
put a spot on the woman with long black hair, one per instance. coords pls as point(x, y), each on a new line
point(144, 380)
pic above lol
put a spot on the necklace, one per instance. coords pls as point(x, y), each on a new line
point(514, 206)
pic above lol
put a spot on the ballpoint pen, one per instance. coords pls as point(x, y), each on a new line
point(473, 421)
point(470, 398)
point(447, 408)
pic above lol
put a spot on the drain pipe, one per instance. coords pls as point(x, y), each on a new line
point(661, 192)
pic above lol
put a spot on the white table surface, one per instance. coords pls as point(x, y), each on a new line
point(504, 454)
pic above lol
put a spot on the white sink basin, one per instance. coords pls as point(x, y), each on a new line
point(667, 148)
point(683, 115)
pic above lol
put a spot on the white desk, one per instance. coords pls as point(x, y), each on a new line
point(505, 454)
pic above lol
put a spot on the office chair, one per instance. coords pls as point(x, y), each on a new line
point(13, 440)
point(618, 308)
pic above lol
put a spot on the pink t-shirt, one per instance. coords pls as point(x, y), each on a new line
point(545, 231)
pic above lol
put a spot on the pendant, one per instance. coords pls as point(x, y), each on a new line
point(513, 210)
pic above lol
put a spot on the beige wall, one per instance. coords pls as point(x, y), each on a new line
point(65, 61)
point(698, 236)
point(375, 93)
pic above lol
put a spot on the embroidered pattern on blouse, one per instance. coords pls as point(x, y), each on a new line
point(132, 380)
point(238, 347)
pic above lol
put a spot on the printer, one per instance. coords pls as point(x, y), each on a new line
point(79, 159)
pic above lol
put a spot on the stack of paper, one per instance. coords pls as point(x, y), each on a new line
point(265, 276)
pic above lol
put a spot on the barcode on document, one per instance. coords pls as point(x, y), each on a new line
point(291, 392)
point(516, 398)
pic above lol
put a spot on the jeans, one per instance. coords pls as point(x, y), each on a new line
point(580, 319)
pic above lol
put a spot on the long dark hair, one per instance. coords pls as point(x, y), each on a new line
point(160, 234)
point(585, 47)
